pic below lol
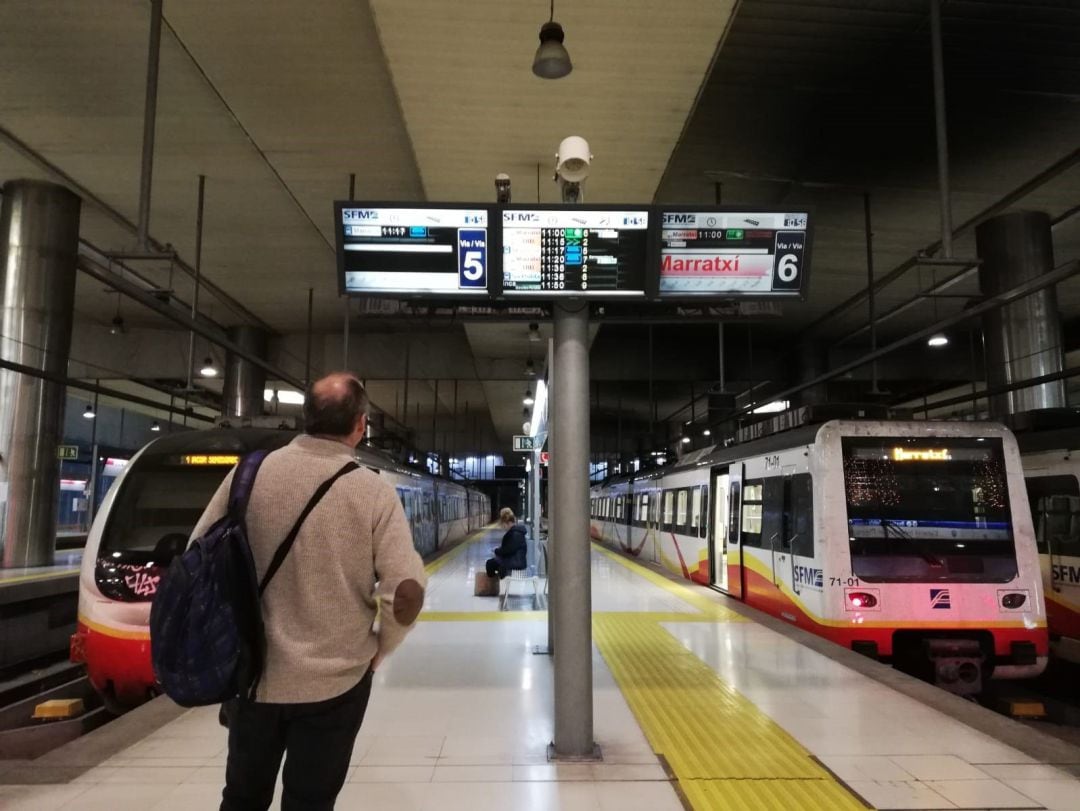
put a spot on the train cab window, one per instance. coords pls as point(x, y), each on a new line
point(669, 510)
point(1055, 512)
point(928, 509)
point(751, 513)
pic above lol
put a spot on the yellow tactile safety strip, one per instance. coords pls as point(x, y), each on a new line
point(26, 578)
point(724, 752)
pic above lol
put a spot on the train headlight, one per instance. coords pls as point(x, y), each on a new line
point(1013, 600)
point(861, 599)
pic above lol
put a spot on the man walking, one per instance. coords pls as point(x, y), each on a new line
point(354, 553)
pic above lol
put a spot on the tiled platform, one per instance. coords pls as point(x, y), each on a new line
point(695, 706)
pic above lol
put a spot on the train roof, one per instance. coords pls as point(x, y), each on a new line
point(245, 440)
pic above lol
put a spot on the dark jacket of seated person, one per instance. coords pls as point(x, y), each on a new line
point(513, 552)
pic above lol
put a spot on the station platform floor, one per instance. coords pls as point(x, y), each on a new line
point(65, 564)
point(698, 703)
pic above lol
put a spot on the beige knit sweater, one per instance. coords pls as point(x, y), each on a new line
point(355, 547)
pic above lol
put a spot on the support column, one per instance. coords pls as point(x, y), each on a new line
point(571, 582)
point(245, 382)
point(1023, 339)
point(811, 361)
point(39, 241)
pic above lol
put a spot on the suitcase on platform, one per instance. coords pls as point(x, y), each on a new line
point(486, 586)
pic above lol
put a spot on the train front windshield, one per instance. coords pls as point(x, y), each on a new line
point(160, 503)
point(928, 509)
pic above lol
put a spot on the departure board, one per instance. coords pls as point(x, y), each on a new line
point(728, 254)
point(574, 251)
point(412, 250)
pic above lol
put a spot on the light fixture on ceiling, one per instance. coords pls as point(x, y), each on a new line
point(526, 427)
point(552, 60)
point(88, 412)
point(534, 333)
point(208, 368)
point(118, 327)
point(528, 397)
point(155, 427)
point(706, 432)
point(938, 340)
point(686, 440)
point(530, 368)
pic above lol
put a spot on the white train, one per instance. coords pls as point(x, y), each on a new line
point(911, 542)
point(1053, 482)
point(145, 520)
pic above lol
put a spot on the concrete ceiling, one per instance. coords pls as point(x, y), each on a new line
point(782, 102)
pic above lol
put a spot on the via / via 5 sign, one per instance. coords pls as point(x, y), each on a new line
point(472, 258)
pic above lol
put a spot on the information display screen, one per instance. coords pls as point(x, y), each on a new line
point(733, 254)
point(574, 251)
point(407, 250)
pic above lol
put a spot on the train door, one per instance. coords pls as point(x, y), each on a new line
point(735, 578)
point(718, 531)
point(652, 530)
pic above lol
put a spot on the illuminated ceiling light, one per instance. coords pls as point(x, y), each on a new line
point(88, 412)
point(283, 396)
point(526, 426)
point(208, 368)
point(534, 333)
point(156, 426)
point(528, 397)
point(706, 432)
point(686, 440)
point(552, 60)
point(773, 407)
point(938, 340)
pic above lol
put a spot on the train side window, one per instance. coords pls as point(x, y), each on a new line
point(643, 510)
point(1055, 513)
point(669, 510)
point(618, 508)
point(772, 514)
point(695, 510)
point(734, 520)
point(703, 528)
point(682, 500)
point(751, 514)
point(799, 514)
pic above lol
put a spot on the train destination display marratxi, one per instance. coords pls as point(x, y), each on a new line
point(736, 254)
point(438, 251)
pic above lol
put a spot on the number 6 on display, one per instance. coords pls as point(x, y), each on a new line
point(789, 249)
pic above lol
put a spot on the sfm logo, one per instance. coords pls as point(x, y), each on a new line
point(679, 219)
point(521, 216)
point(359, 214)
point(1063, 573)
point(940, 598)
point(809, 576)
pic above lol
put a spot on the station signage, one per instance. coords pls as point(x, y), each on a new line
point(523, 443)
point(717, 253)
point(67, 452)
point(413, 249)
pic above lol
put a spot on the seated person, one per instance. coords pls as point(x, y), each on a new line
point(513, 552)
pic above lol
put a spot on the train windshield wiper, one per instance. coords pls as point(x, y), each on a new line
point(923, 552)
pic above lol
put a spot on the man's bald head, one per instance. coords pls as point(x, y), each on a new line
point(334, 405)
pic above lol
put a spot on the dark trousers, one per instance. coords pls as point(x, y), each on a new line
point(315, 739)
point(496, 568)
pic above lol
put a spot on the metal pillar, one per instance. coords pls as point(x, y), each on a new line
point(812, 361)
point(571, 582)
point(245, 383)
point(1023, 339)
point(941, 131)
point(149, 122)
point(39, 241)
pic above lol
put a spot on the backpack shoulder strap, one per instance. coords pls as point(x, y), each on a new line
point(242, 483)
point(286, 545)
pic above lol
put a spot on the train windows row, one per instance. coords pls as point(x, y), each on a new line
point(778, 513)
point(683, 510)
point(420, 505)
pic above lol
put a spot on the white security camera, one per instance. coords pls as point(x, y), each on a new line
point(573, 159)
